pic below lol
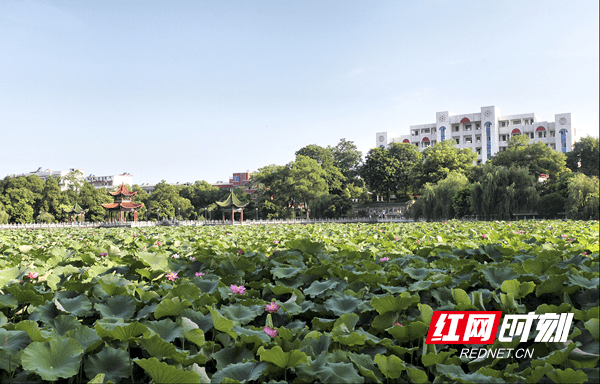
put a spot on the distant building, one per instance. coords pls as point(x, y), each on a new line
point(487, 132)
point(149, 188)
point(110, 182)
point(47, 173)
point(238, 180)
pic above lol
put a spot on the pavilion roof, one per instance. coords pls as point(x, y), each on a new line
point(75, 209)
point(231, 200)
point(123, 191)
point(123, 204)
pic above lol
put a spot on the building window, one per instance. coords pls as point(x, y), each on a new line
point(478, 138)
point(417, 144)
point(415, 133)
point(479, 151)
point(468, 140)
point(477, 126)
point(455, 128)
point(467, 127)
point(457, 141)
point(531, 135)
point(504, 123)
point(541, 134)
point(516, 122)
point(425, 130)
point(552, 134)
point(236, 179)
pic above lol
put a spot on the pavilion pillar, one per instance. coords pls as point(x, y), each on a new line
point(135, 217)
point(223, 215)
point(241, 215)
point(232, 213)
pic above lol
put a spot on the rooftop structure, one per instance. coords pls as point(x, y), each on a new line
point(111, 181)
point(122, 205)
point(238, 180)
point(45, 174)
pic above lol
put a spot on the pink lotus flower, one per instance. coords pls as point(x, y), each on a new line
point(272, 308)
point(240, 252)
point(102, 254)
point(70, 235)
point(192, 258)
point(584, 253)
point(384, 259)
point(237, 290)
point(32, 275)
point(397, 324)
point(275, 241)
point(270, 331)
point(134, 235)
point(176, 256)
point(198, 274)
point(41, 246)
point(418, 241)
point(484, 236)
point(563, 236)
point(172, 276)
point(157, 243)
point(395, 237)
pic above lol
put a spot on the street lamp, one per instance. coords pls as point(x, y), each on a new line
point(256, 213)
point(179, 211)
point(158, 213)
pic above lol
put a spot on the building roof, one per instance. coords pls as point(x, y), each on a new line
point(231, 200)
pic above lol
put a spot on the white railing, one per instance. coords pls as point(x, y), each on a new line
point(140, 224)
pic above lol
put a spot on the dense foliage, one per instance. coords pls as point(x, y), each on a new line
point(327, 303)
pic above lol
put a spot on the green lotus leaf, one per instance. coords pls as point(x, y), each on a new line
point(279, 289)
point(389, 303)
point(593, 325)
point(78, 306)
point(221, 323)
point(166, 328)
point(164, 373)
point(185, 291)
point(306, 246)
point(27, 293)
point(419, 273)
point(113, 362)
point(33, 330)
point(320, 324)
point(87, 337)
point(200, 371)
point(121, 331)
point(557, 357)
point(412, 331)
point(352, 339)
point(117, 307)
point(460, 296)
point(342, 304)
point(286, 272)
point(339, 373)
point(13, 341)
point(319, 287)
point(315, 345)
point(538, 266)
point(54, 359)
point(585, 315)
point(8, 301)
point(426, 313)
point(496, 276)
point(390, 366)
point(567, 376)
point(518, 289)
point(554, 284)
point(203, 321)
point(232, 355)
point(416, 375)
point(345, 324)
point(249, 336)
point(157, 347)
point(239, 372)
point(282, 359)
point(98, 379)
point(420, 286)
point(578, 280)
point(440, 358)
point(240, 313)
point(171, 307)
point(64, 323)
point(366, 366)
point(11, 274)
point(207, 286)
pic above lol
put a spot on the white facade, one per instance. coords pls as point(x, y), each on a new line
point(111, 181)
point(487, 132)
point(47, 173)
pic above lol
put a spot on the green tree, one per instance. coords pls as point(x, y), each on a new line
point(331, 206)
point(379, 171)
point(537, 157)
point(347, 158)
point(461, 202)
point(324, 157)
point(306, 180)
point(272, 191)
point(166, 198)
point(3, 215)
point(51, 199)
point(141, 198)
point(408, 157)
point(202, 195)
point(583, 201)
point(73, 181)
point(90, 199)
point(439, 160)
point(437, 200)
point(45, 217)
point(503, 191)
point(584, 157)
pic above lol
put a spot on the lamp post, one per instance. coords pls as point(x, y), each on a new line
point(210, 213)
point(256, 213)
point(158, 213)
point(179, 212)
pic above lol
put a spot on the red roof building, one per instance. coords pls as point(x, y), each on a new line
point(239, 180)
point(122, 205)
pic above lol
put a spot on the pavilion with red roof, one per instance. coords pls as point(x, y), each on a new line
point(122, 205)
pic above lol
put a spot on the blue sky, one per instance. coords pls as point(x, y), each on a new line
point(197, 90)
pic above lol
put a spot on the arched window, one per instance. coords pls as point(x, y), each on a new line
point(465, 120)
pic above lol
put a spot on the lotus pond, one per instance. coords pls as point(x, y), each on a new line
point(307, 303)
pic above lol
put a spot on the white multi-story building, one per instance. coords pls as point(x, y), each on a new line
point(44, 174)
point(111, 181)
point(487, 132)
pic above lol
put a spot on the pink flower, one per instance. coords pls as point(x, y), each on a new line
point(237, 290)
point(571, 239)
point(418, 241)
point(70, 235)
point(395, 237)
point(272, 308)
point(397, 324)
point(522, 232)
point(41, 246)
point(134, 235)
point(172, 276)
point(384, 259)
point(585, 252)
point(484, 236)
point(563, 236)
point(157, 243)
point(176, 256)
point(102, 254)
point(240, 252)
point(198, 274)
point(275, 241)
point(270, 331)
point(192, 258)
point(32, 275)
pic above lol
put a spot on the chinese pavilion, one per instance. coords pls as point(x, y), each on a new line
point(77, 212)
point(122, 206)
point(235, 204)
